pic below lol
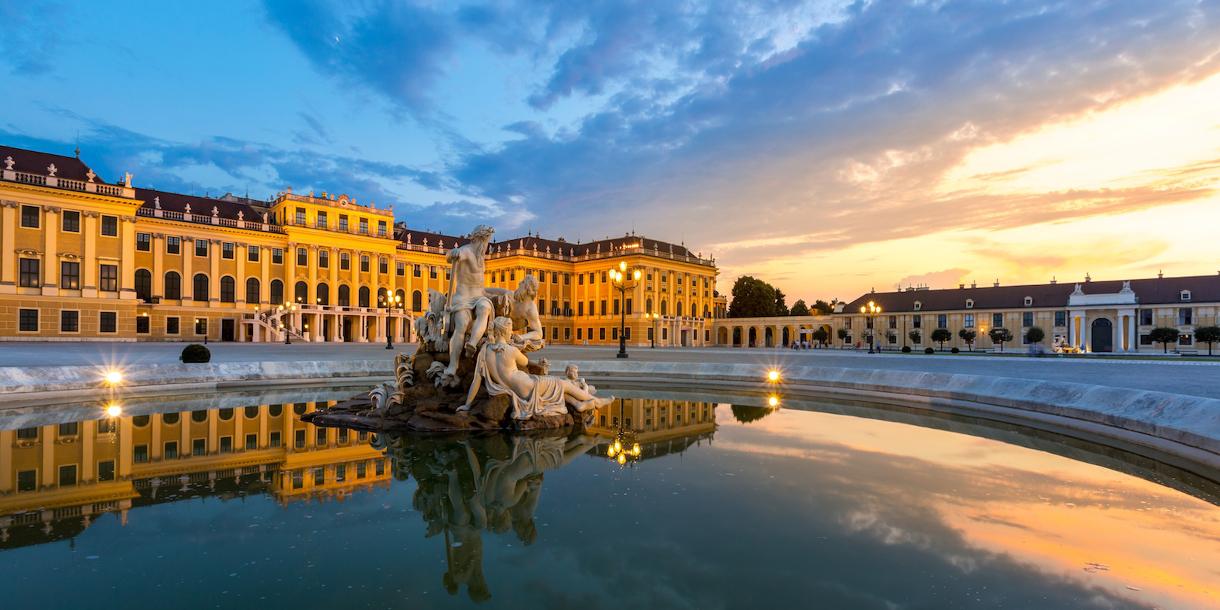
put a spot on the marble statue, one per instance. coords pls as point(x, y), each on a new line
point(471, 364)
point(503, 369)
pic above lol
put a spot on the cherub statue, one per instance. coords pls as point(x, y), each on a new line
point(572, 373)
point(502, 366)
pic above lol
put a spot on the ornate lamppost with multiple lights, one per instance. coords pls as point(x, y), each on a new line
point(871, 310)
point(287, 310)
point(390, 302)
point(652, 331)
point(624, 279)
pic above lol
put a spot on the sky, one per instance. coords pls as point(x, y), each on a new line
point(829, 147)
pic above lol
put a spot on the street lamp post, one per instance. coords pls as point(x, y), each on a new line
point(652, 335)
point(390, 303)
point(871, 310)
point(624, 280)
point(288, 308)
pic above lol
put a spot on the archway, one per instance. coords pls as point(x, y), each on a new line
point(753, 337)
point(768, 337)
point(1101, 335)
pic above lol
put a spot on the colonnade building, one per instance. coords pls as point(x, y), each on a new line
point(1111, 316)
point(84, 259)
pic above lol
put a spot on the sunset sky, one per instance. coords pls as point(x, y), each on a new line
point(828, 147)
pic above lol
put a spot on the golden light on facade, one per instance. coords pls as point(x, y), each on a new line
point(113, 409)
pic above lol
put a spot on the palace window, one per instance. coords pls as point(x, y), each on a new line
point(916, 321)
point(302, 257)
point(173, 285)
point(277, 292)
point(277, 256)
point(997, 319)
point(918, 306)
point(71, 221)
point(27, 480)
point(228, 289)
point(345, 261)
point(400, 269)
point(252, 253)
point(69, 321)
point(324, 259)
point(144, 285)
point(144, 242)
point(432, 271)
point(201, 326)
point(173, 245)
point(364, 263)
point(31, 217)
point(301, 216)
point(364, 226)
point(201, 247)
point(942, 321)
point(415, 270)
point(1145, 317)
point(580, 279)
point(27, 320)
point(1061, 318)
point(580, 308)
point(253, 290)
point(30, 270)
point(227, 250)
point(107, 322)
point(343, 222)
point(969, 321)
point(969, 303)
point(383, 266)
point(893, 321)
point(1184, 295)
point(69, 275)
point(200, 287)
point(171, 325)
point(67, 475)
point(108, 278)
point(381, 228)
point(322, 220)
point(1185, 316)
point(110, 226)
point(105, 470)
point(1027, 319)
point(171, 450)
point(142, 325)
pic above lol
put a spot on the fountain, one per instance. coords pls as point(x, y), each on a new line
point(469, 370)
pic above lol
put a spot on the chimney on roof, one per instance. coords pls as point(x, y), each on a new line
point(1054, 281)
point(974, 284)
point(1088, 278)
point(996, 284)
point(1160, 274)
point(961, 286)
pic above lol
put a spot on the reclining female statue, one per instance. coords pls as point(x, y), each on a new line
point(502, 366)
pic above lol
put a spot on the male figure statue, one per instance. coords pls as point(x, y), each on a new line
point(469, 308)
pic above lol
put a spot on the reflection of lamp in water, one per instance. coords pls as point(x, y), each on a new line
point(624, 448)
point(773, 401)
point(114, 409)
point(113, 377)
point(773, 376)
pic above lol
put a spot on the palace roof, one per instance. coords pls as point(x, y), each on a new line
point(34, 162)
point(1148, 291)
point(200, 206)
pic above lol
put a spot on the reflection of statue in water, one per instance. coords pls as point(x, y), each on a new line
point(480, 483)
point(503, 368)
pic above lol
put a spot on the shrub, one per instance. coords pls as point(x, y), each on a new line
point(1034, 335)
point(906, 349)
point(955, 350)
point(1208, 335)
point(999, 335)
point(928, 350)
point(968, 335)
point(195, 353)
point(941, 335)
point(1164, 335)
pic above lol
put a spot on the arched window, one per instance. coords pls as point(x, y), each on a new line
point(664, 308)
point(363, 297)
point(144, 285)
point(648, 306)
point(173, 285)
point(323, 294)
point(678, 309)
point(300, 292)
point(417, 301)
point(228, 289)
point(277, 292)
point(345, 296)
point(402, 297)
point(253, 294)
point(694, 311)
point(381, 296)
point(201, 287)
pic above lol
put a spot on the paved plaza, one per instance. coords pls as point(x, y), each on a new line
point(1177, 376)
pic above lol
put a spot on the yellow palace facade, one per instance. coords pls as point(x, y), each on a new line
point(83, 259)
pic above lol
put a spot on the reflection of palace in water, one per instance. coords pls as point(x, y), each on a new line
point(55, 479)
point(661, 427)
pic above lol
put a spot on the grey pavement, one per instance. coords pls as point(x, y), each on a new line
point(1177, 376)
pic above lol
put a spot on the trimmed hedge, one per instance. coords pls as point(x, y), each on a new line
point(195, 353)
point(906, 349)
point(955, 350)
point(928, 350)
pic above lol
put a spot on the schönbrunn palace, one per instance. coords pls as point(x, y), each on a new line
point(84, 259)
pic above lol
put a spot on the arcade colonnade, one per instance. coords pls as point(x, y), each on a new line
point(770, 332)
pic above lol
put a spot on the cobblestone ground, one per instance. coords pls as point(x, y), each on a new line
point(1183, 377)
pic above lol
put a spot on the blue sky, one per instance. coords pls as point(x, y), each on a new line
point(819, 144)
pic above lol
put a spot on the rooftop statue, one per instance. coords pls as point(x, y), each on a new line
point(469, 370)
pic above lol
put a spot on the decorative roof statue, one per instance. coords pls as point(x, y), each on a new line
point(51, 169)
point(90, 175)
point(8, 163)
point(264, 218)
point(157, 202)
point(188, 208)
point(241, 215)
point(215, 212)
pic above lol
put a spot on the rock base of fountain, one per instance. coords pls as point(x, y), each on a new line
point(431, 407)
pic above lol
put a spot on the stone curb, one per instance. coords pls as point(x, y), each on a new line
point(1190, 421)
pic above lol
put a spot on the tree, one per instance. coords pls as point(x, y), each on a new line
point(1034, 335)
point(999, 335)
point(799, 308)
point(1208, 335)
point(752, 298)
point(780, 308)
point(822, 308)
point(941, 335)
point(821, 336)
point(1164, 335)
point(968, 335)
point(843, 335)
point(915, 335)
point(746, 413)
